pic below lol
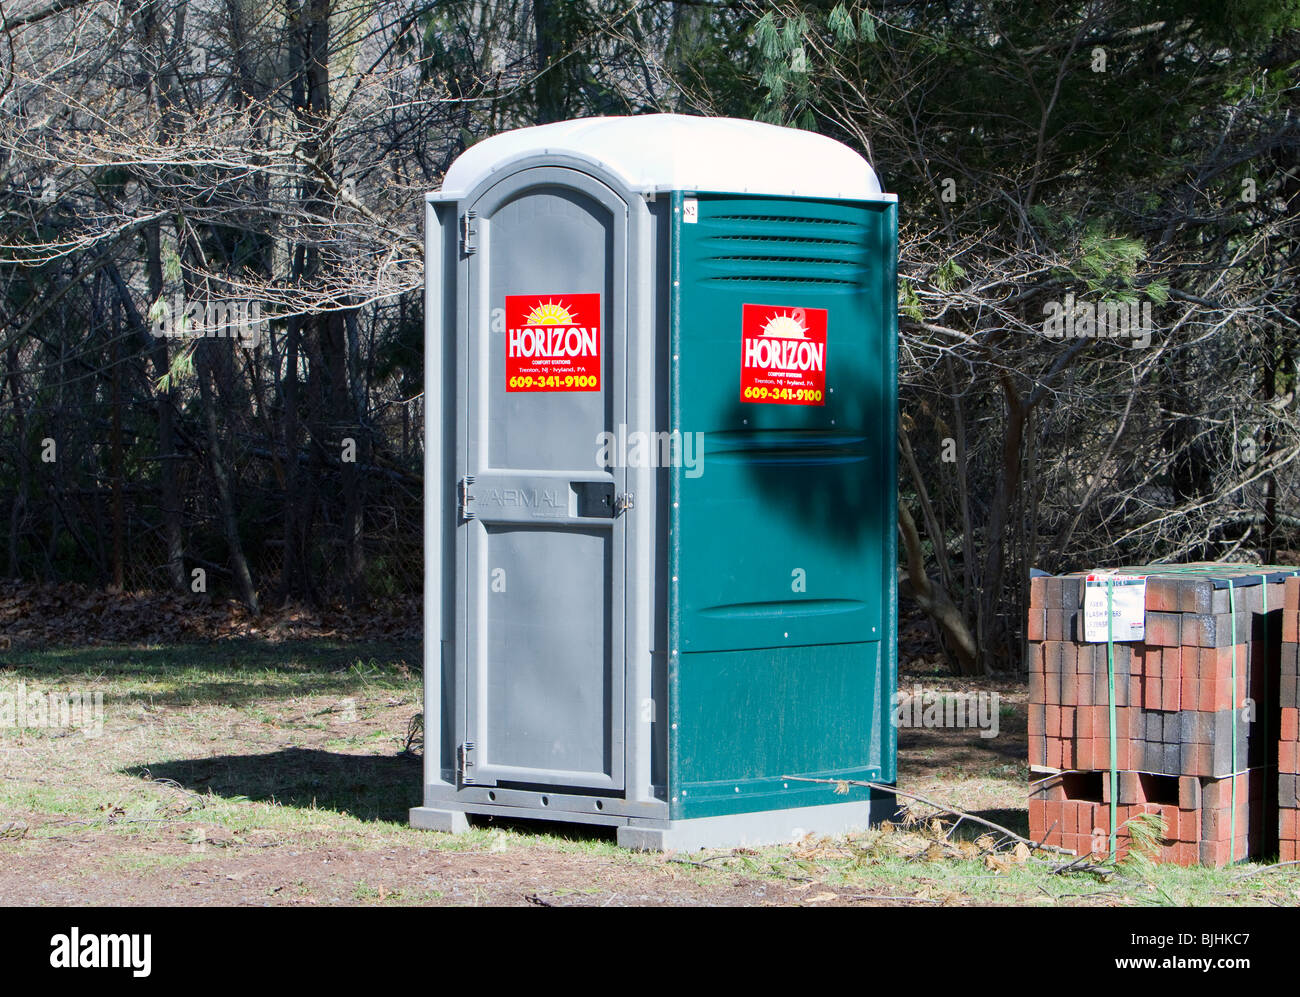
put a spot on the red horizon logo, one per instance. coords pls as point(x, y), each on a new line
point(783, 355)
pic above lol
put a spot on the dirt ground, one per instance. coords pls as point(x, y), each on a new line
point(266, 799)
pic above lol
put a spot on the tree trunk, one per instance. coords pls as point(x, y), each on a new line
point(221, 477)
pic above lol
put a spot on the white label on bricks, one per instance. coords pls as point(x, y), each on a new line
point(1128, 597)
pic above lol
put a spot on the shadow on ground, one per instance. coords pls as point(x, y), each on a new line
point(1012, 820)
point(371, 787)
point(555, 828)
point(229, 673)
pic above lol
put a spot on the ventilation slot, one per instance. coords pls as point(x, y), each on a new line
point(765, 278)
point(784, 249)
point(782, 219)
point(801, 240)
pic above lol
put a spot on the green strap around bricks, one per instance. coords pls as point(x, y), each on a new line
point(1110, 681)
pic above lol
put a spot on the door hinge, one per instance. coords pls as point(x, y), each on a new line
point(624, 500)
point(465, 763)
point(468, 233)
point(466, 497)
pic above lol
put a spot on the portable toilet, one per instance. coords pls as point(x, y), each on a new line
point(660, 472)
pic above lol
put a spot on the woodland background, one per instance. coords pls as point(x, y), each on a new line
point(277, 151)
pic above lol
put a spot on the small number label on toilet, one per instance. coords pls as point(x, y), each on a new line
point(690, 211)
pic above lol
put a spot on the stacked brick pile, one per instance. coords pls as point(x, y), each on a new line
point(1072, 810)
point(1288, 749)
point(1174, 713)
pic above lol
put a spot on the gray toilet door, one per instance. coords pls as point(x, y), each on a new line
point(545, 378)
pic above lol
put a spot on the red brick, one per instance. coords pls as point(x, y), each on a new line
point(1215, 853)
point(1288, 757)
point(1162, 629)
point(1124, 753)
point(1038, 592)
point(1133, 723)
point(1100, 843)
point(1291, 594)
point(1151, 697)
point(1291, 627)
point(1070, 657)
point(1051, 656)
point(1037, 626)
point(1083, 718)
point(1083, 756)
point(1037, 818)
point(1169, 815)
point(1162, 595)
point(1058, 621)
point(1214, 662)
point(1053, 752)
point(1290, 724)
point(1083, 690)
point(1221, 694)
point(1170, 694)
point(1205, 692)
point(1034, 657)
point(1187, 692)
point(1189, 793)
point(1069, 688)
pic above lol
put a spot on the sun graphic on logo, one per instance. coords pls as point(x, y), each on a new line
point(550, 313)
point(785, 327)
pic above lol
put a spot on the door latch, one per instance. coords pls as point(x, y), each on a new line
point(623, 501)
point(465, 497)
point(465, 762)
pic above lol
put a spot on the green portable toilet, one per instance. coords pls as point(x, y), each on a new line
point(660, 378)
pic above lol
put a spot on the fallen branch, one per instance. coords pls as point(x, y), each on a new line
point(953, 811)
point(1265, 868)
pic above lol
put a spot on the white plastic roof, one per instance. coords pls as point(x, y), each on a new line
point(662, 152)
